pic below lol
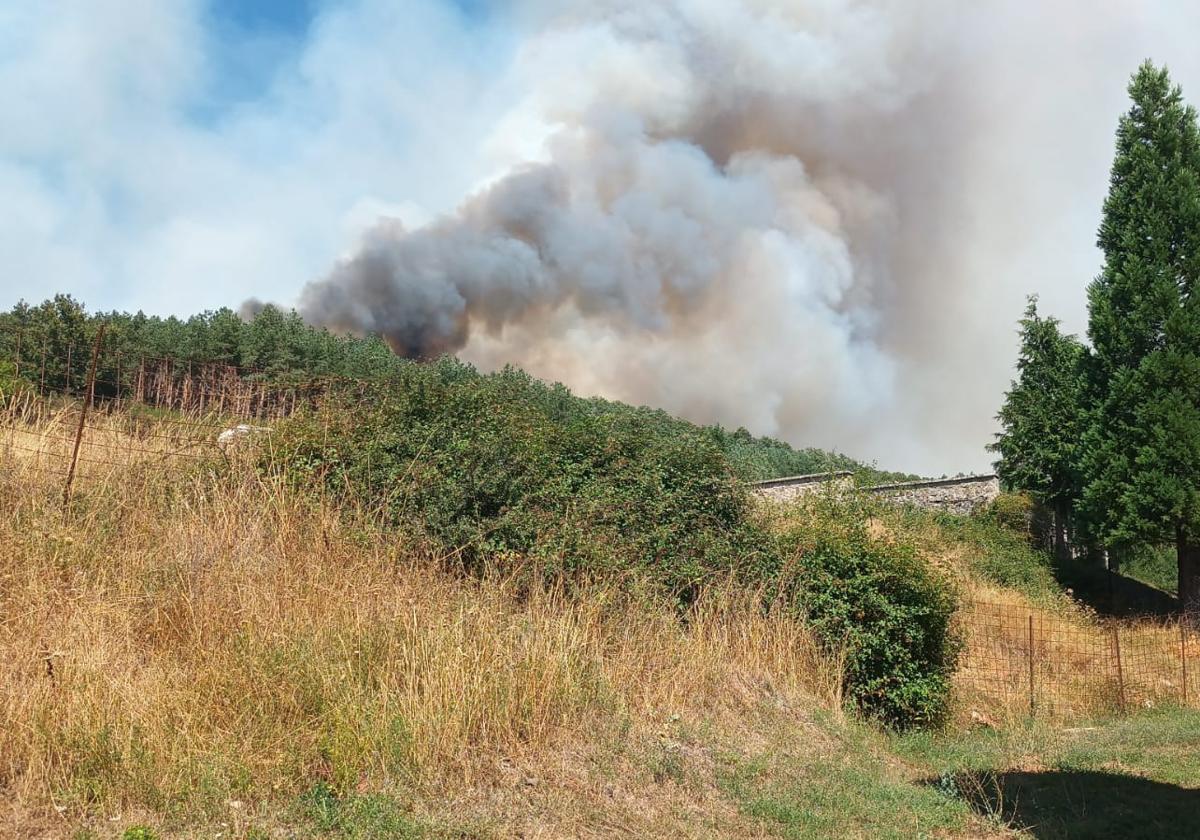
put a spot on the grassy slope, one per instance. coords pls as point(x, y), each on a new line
point(1135, 778)
point(213, 658)
point(203, 655)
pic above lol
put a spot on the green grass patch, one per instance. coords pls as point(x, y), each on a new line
point(372, 816)
point(846, 789)
point(1135, 778)
point(1154, 565)
point(1000, 554)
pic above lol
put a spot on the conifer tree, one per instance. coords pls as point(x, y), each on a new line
point(1142, 461)
point(1042, 420)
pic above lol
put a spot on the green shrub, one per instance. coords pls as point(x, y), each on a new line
point(505, 466)
point(503, 469)
point(1014, 511)
point(10, 384)
point(878, 604)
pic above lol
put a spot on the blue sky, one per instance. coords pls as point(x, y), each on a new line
point(186, 154)
point(284, 16)
point(249, 41)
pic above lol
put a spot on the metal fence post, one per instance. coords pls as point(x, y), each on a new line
point(1032, 707)
point(1120, 671)
point(42, 374)
point(1183, 660)
point(88, 396)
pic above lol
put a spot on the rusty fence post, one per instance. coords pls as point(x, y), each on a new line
point(1032, 707)
point(88, 396)
point(1183, 660)
point(1116, 634)
point(42, 375)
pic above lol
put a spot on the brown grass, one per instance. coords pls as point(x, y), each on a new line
point(1075, 671)
point(189, 639)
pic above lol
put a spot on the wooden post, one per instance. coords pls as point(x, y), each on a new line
point(88, 396)
point(42, 382)
point(1183, 658)
point(1120, 671)
point(1032, 706)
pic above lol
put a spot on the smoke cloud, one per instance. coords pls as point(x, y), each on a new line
point(802, 217)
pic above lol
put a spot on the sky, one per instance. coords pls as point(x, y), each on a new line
point(174, 156)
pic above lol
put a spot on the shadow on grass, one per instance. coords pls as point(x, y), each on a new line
point(1113, 594)
point(1074, 805)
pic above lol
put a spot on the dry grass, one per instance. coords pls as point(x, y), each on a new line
point(1075, 671)
point(190, 640)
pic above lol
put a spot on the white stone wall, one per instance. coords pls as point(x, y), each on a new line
point(953, 495)
point(784, 489)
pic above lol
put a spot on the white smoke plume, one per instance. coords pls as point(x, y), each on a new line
point(766, 213)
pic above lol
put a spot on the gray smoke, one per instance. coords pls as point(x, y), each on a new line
point(755, 212)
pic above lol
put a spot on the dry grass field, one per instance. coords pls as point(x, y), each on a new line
point(195, 651)
point(190, 638)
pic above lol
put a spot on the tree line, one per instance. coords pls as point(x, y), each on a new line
point(1107, 434)
point(47, 347)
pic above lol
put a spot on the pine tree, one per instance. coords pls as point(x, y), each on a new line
point(1142, 461)
point(1042, 420)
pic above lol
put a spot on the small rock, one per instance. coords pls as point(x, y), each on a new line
point(981, 719)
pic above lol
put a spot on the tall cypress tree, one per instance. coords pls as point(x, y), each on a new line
point(1142, 460)
point(1042, 420)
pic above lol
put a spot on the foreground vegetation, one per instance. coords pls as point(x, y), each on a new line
point(1137, 777)
point(214, 650)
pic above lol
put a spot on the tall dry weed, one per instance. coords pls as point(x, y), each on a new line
point(187, 633)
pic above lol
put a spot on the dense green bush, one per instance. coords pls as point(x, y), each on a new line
point(1015, 511)
point(504, 469)
point(503, 465)
point(875, 601)
point(10, 385)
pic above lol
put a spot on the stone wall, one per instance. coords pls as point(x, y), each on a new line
point(783, 489)
point(953, 495)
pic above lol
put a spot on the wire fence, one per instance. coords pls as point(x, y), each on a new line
point(1070, 663)
point(72, 411)
point(1016, 658)
point(51, 365)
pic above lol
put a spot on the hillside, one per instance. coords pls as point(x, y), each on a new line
point(202, 648)
point(50, 343)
